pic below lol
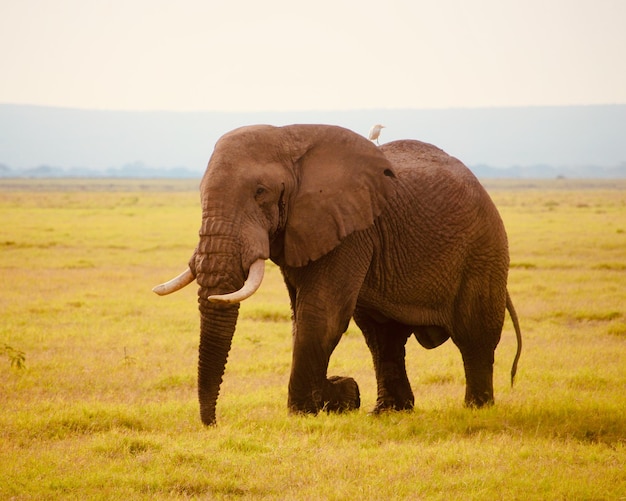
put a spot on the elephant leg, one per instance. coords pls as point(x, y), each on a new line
point(477, 341)
point(386, 340)
point(323, 296)
point(310, 391)
point(478, 366)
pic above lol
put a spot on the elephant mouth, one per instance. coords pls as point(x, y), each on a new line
point(251, 285)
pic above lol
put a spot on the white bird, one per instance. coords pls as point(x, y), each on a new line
point(375, 132)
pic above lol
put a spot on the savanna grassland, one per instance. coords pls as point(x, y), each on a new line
point(98, 374)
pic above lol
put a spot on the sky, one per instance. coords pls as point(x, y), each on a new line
point(287, 55)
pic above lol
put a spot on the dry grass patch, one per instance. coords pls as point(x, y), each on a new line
point(98, 374)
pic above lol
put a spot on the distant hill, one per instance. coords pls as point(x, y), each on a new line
point(569, 141)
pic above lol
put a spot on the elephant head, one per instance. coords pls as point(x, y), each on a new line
point(290, 194)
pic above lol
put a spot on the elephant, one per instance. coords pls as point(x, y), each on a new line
point(402, 238)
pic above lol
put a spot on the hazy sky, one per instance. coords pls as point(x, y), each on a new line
point(252, 55)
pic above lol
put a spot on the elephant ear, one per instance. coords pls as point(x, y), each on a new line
point(344, 182)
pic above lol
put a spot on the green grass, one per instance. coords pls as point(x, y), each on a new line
point(97, 374)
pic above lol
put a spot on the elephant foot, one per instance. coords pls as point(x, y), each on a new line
point(339, 394)
point(479, 389)
point(342, 394)
point(478, 378)
point(478, 401)
point(390, 405)
point(394, 395)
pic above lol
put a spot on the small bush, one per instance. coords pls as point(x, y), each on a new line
point(17, 358)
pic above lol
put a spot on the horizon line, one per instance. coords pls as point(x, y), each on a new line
point(336, 110)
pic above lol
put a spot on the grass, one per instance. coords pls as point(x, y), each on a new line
point(97, 374)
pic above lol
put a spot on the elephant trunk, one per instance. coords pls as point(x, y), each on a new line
point(220, 268)
point(219, 265)
point(217, 326)
point(215, 276)
point(218, 320)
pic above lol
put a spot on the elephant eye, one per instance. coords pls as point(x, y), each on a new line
point(259, 191)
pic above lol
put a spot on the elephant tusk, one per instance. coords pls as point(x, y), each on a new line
point(177, 283)
point(252, 284)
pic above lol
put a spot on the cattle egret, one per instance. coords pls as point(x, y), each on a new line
point(375, 132)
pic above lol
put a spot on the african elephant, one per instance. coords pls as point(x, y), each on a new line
point(402, 238)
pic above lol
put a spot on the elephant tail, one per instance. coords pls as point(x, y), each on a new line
point(518, 335)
